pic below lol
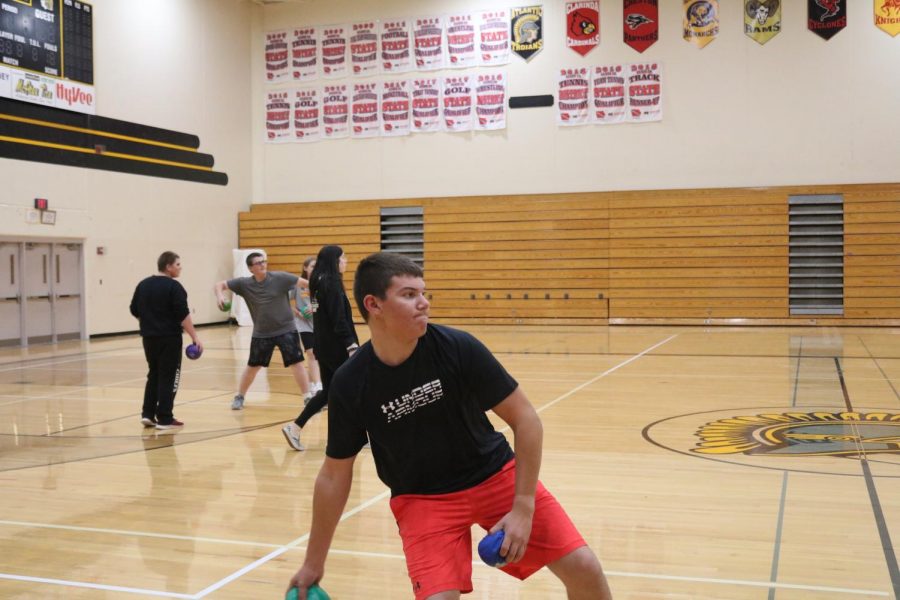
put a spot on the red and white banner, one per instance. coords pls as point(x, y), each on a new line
point(458, 105)
point(394, 98)
point(574, 91)
point(335, 111)
point(608, 94)
point(644, 92)
point(278, 117)
point(493, 36)
point(583, 26)
point(364, 48)
point(461, 41)
point(426, 105)
point(428, 43)
point(335, 42)
point(277, 56)
point(396, 54)
point(364, 120)
point(490, 101)
point(640, 23)
point(304, 54)
point(307, 115)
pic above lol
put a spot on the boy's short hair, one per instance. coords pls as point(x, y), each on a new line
point(374, 274)
point(251, 257)
point(165, 259)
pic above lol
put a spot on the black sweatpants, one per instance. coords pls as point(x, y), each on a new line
point(163, 355)
point(327, 370)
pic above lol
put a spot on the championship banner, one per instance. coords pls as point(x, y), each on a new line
point(276, 56)
point(640, 23)
point(887, 16)
point(700, 21)
point(574, 87)
point(304, 54)
point(426, 105)
point(364, 48)
point(335, 111)
point(461, 41)
point(428, 42)
point(307, 116)
point(490, 101)
point(396, 54)
point(582, 26)
point(826, 18)
point(334, 39)
point(608, 94)
point(493, 37)
point(364, 120)
point(644, 92)
point(395, 108)
point(457, 101)
point(527, 30)
point(762, 19)
point(278, 117)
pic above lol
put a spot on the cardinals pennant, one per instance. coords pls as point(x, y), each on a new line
point(640, 23)
point(583, 26)
point(700, 19)
point(887, 16)
point(762, 19)
point(826, 17)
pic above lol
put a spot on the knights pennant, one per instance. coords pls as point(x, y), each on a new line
point(583, 26)
point(887, 16)
point(640, 23)
point(700, 20)
point(527, 30)
point(826, 18)
point(762, 19)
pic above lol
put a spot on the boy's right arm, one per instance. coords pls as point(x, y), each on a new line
point(220, 288)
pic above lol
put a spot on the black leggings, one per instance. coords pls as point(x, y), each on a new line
point(164, 361)
point(317, 402)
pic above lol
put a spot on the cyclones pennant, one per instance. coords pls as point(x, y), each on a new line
point(826, 18)
point(887, 16)
point(762, 19)
point(583, 26)
point(527, 30)
point(700, 20)
point(640, 23)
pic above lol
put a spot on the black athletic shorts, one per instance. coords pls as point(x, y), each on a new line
point(261, 350)
point(308, 339)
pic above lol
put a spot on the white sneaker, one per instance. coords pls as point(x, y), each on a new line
point(237, 403)
point(292, 435)
point(316, 387)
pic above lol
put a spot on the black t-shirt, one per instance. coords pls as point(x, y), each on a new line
point(160, 303)
point(426, 417)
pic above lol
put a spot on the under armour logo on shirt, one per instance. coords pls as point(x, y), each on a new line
point(415, 399)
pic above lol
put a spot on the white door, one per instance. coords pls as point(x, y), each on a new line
point(10, 294)
point(38, 309)
point(66, 285)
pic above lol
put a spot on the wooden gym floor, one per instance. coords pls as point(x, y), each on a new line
point(723, 463)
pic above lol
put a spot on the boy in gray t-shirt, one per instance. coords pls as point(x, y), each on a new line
point(266, 295)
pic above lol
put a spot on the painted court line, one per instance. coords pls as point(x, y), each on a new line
point(95, 586)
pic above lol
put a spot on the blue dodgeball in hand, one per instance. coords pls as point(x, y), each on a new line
point(489, 549)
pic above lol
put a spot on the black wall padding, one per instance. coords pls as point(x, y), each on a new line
point(530, 101)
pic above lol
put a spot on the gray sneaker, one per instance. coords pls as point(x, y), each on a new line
point(237, 403)
point(292, 435)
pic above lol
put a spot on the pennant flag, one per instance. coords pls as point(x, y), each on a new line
point(826, 18)
point(527, 30)
point(640, 23)
point(887, 16)
point(583, 26)
point(762, 19)
point(700, 21)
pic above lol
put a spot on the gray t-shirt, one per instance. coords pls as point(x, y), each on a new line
point(301, 296)
point(268, 302)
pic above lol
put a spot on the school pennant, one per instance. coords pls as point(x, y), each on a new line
point(527, 30)
point(887, 16)
point(700, 20)
point(640, 23)
point(762, 19)
point(826, 18)
point(583, 26)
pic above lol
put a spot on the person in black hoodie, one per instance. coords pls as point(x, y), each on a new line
point(335, 336)
point(160, 304)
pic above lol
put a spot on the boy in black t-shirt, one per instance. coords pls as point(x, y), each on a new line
point(419, 394)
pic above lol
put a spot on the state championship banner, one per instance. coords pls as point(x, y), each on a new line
point(582, 26)
point(335, 42)
point(640, 23)
point(527, 28)
point(426, 105)
point(278, 117)
point(457, 103)
point(490, 101)
point(887, 16)
point(364, 48)
point(396, 53)
point(826, 18)
point(335, 111)
point(700, 21)
point(364, 121)
point(428, 43)
point(762, 19)
point(608, 94)
point(644, 92)
point(277, 56)
point(461, 41)
point(395, 108)
point(493, 36)
point(304, 54)
point(307, 115)
point(573, 92)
